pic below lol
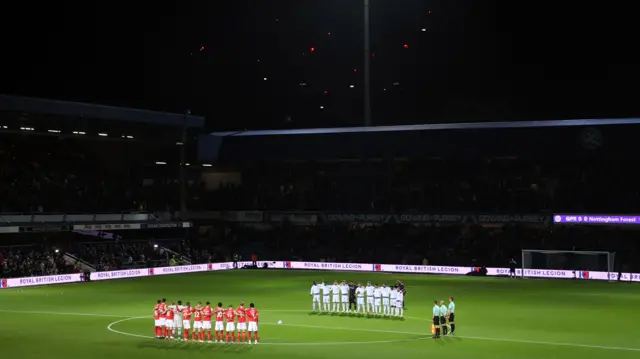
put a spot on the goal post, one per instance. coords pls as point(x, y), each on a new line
point(597, 261)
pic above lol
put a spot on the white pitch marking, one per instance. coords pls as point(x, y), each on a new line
point(506, 340)
point(110, 328)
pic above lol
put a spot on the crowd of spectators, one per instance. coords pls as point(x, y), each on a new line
point(27, 261)
point(461, 245)
point(114, 255)
point(498, 185)
point(50, 174)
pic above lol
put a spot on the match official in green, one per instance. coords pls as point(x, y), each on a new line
point(443, 317)
point(452, 315)
point(436, 319)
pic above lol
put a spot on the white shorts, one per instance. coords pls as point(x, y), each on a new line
point(186, 324)
point(345, 298)
point(398, 304)
point(231, 327)
point(377, 301)
point(168, 323)
point(219, 326)
point(197, 324)
point(162, 321)
point(325, 299)
point(316, 298)
point(158, 323)
point(385, 302)
point(360, 301)
point(370, 300)
point(177, 323)
point(336, 299)
point(242, 326)
point(253, 326)
point(206, 325)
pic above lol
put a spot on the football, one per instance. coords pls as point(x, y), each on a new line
point(279, 322)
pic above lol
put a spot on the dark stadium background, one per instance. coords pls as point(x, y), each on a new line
point(476, 60)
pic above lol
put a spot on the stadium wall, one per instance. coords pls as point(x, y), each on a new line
point(320, 266)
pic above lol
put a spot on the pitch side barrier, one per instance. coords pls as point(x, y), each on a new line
point(320, 266)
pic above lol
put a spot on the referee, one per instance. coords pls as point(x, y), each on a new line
point(452, 315)
point(443, 318)
point(436, 319)
point(352, 296)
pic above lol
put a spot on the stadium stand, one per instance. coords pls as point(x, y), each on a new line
point(69, 157)
point(324, 195)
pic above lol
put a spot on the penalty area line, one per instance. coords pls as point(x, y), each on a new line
point(506, 340)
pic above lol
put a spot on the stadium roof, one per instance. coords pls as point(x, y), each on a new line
point(76, 109)
point(445, 126)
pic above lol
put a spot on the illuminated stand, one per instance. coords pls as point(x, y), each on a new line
point(580, 262)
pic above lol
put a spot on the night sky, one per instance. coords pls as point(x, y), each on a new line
point(432, 61)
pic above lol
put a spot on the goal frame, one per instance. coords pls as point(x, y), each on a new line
point(610, 259)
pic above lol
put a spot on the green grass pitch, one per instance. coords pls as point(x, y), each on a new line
point(496, 318)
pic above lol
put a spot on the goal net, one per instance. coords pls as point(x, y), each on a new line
point(569, 260)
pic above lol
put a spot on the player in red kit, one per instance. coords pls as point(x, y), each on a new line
point(186, 320)
point(219, 328)
point(252, 317)
point(197, 323)
point(230, 316)
point(168, 323)
point(163, 318)
point(242, 323)
point(207, 312)
point(156, 318)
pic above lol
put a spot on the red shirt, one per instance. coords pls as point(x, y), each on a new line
point(252, 314)
point(186, 313)
point(230, 315)
point(241, 311)
point(206, 314)
point(197, 315)
point(170, 314)
point(156, 314)
point(163, 310)
point(219, 314)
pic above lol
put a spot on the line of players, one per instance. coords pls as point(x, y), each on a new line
point(380, 300)
point(172, 319)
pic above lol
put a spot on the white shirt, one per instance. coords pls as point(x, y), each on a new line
point(377, 292)
point(360, 292)
point(326, 289)
point(315, 289)
point(369, 290)
point(392, 294)
point(178, 311)
point(344, 289)
point(399, 296)
point(385, 292)
point(335, 289)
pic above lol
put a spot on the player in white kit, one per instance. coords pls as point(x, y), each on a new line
point(344, 295)
point(335, 298)
point(360, 300)
point(326, 300)
point(369, 290)
point(399, 304)
point(177, 318)
point(386, 309)
point(377, 296)
point(315, 294)
point(392, 301)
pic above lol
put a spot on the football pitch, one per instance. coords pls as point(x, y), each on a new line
point(495, 318)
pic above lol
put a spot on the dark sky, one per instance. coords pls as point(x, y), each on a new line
point(476, 60)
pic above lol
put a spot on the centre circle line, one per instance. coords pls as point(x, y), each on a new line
point(110, 328)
